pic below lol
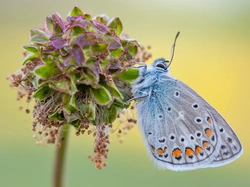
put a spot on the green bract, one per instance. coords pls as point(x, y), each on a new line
point(79, 70)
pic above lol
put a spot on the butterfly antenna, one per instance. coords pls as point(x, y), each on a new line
point(172, 49)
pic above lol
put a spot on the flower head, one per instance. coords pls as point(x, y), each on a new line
point(78, 71)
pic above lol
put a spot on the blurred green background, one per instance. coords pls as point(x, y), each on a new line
point(212, 56)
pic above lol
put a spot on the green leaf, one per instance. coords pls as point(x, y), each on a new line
point(76, 124)
point(117, 52)
point(49, 25)
point(31, 48)
point(35, 82)
point(92, 109)
point(34, 32)
point(63, 52)
point(58, 31)
point(116, 24)
point(120, 103)
point(99, 48)
point(81, 78)
point(65, 98)
point(102, 18)
point(124, 42)
point(61, 86)
point(88, 109)
point(46, 71)
point(89, 27)
point(129, 75)
point(90, 62)
point(58, 24)
point(75, 12)
point(101, 96)
point(56, 116)
point(69, 61)
point(73, 76)
point(39, 36)
point(88, 78)
point(87, 17)
point(104, 65)
point(69, 116)
point(72, 102)
point(39, 39)
point(114, 90)
point(73, 88)
point(48, 60)
point(130, 42)
point(53, 116)
point(133, 50)
point(113, 112)
point(30, 56)
point(42, 92)
point(77, 30)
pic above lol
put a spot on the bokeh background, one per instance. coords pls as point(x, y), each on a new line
point(212, 56)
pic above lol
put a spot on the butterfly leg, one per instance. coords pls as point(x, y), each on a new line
point(138, 97)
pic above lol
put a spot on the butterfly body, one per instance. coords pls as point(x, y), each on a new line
point(180, 129)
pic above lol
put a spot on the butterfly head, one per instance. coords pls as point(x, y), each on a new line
point(161, 64)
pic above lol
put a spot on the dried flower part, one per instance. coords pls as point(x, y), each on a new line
point(78, 71)
point(44, 133)
point(101, 146)
point(126, 122)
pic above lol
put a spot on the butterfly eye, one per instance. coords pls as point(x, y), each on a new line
point(161, 66)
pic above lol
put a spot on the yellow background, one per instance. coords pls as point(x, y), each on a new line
point(212, 56)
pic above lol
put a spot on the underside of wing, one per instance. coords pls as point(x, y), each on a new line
point(182, 131)
point(230, 145)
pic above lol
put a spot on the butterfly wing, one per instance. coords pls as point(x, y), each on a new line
point(231, 147)
point(182, 130)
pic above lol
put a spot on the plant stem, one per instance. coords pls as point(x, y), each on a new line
point(59, 164)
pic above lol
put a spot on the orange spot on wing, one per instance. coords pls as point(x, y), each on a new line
point(165, 150)
point(189, 151)
point(198, 150)
point(176, 153)
point(205, 144)
point(159, 151)
point(208, 132)
point(152, 148)
point(209, 120)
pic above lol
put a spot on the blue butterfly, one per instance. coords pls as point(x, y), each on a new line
point(180, 129)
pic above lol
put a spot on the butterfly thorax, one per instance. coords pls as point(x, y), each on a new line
point(149, 80)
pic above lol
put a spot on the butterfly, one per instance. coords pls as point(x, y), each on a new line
point(180, 129)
